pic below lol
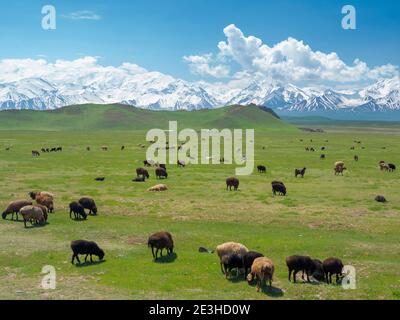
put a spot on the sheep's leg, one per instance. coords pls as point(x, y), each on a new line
point(70, 214)
point(337, 278)
point(24, 223)
point(77, 258)
point(73, 258)
point(152, 251)
point(161, 251)
point(222, 270)
point(290, 272)
point(156, 253)
point(91, 258)
point(326, 277)
point(330, 277)
point(308, 276)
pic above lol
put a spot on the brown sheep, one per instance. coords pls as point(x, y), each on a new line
point(339, 170)
point(14, 207)
point(161, 240)
point(88, 203)
point(232, 182)
point(34, 194)
point(44, 210)
point(32, 214)
point(158, 187)
point(332, 266)
point(262, 270)
point(45, 201)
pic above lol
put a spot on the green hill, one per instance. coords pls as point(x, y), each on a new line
point(122, 117)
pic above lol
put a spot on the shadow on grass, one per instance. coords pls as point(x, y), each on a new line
point(167, 259)
point(88, 263)
point(272, 291)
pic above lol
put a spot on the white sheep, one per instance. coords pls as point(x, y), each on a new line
point(262, 270)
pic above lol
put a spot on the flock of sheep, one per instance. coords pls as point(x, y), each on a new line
point(232, 255)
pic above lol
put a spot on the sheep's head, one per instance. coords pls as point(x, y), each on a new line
point(250, 278)
point(32, 195)
point(94, 210)
point(101, 254)
point(4, 215)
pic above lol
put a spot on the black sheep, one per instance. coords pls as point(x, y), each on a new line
point(89, 248)
point(261, 169)
point(77, 210)
point(300, 263)
point(278, 187)
point(88, 203)
point(232, 261)
point(391, 166)
point(142, 172)
point(380, 199)
point(161, 173)
point(300, 172)
point(332, 266)
point(232, 182)
point(248, 259)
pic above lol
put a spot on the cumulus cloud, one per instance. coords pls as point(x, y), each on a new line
point(63, 70)
point(202, 65)
point(290, 60)
point(82, 15)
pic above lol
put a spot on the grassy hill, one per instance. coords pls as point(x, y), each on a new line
point(122, 117)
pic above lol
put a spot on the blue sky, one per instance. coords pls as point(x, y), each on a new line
point(157, 34)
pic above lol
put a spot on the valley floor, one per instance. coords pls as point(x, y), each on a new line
point(322, 215)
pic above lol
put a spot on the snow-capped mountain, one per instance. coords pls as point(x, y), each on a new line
point(154, 90)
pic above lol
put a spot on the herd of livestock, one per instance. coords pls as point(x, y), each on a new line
point(232, 255)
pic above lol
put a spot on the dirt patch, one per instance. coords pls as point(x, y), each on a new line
point(136, 240)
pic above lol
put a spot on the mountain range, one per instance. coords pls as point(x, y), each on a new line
point(156, 91)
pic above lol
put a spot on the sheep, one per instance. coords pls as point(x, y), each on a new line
point(46, 201)
point(87, 148)
point(262, 270)
point(14, 207)
point(383, 166)
point(232, 182)
point(88, 203)
point(35, 153)
point(261, 169)
point(278, 187)
point(181, 163)
point(32, 214)
point(89, 248)
point(122, 148)
point(392, 167)
point(380, 199)
point(161, 240)
point(161, 173)
point(356, 158)
point(100, 179)
point(300, 263)
point(332, 266)
point(230, 248)
point(248, 259)
point(339, 164)
point(104, 148)
point(77, 209)
point(148, 163)
point(142, 172)
point(232, 261)
point(322, 156)
point(158, 187)
point(318, 270)
point(300, 172)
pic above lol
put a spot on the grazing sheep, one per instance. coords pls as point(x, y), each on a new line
point(148, 163)
point(100, 179)
point(300, 263)
point(248, 259)
point(122, 148)
point(139, 179)
point(104, 148)
point(161, 240)
point(278, 187)
point(323, 148)
point(230, 248)
point(392, 167)
point(332, 266)
point(158, 187)
point(383, 166)
point(142, 172)
point(87, 148)
point(161, 173)
point(262, 270)
point(322, 156)
point(181, 164)
point(318, 270)
point(14, 207)
point(232, 182)
point(32, 214)
point(232, 261)
point(312, 149)
point(88, 203)
point(339, 170)
point(380, 199)
point(89, 248)
point(261, 169)
point(339, 164)
point(78, 210)
point(300, 172)
point(46, 201)
point(35, 153)
point(44, 210)
point(356, 158)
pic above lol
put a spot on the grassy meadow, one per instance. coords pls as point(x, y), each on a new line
point(322, 215)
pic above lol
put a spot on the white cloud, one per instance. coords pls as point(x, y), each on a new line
point(290, 60)
point(202, 65)
point(82, 15)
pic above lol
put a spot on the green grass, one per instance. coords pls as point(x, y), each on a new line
point(323, 215)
